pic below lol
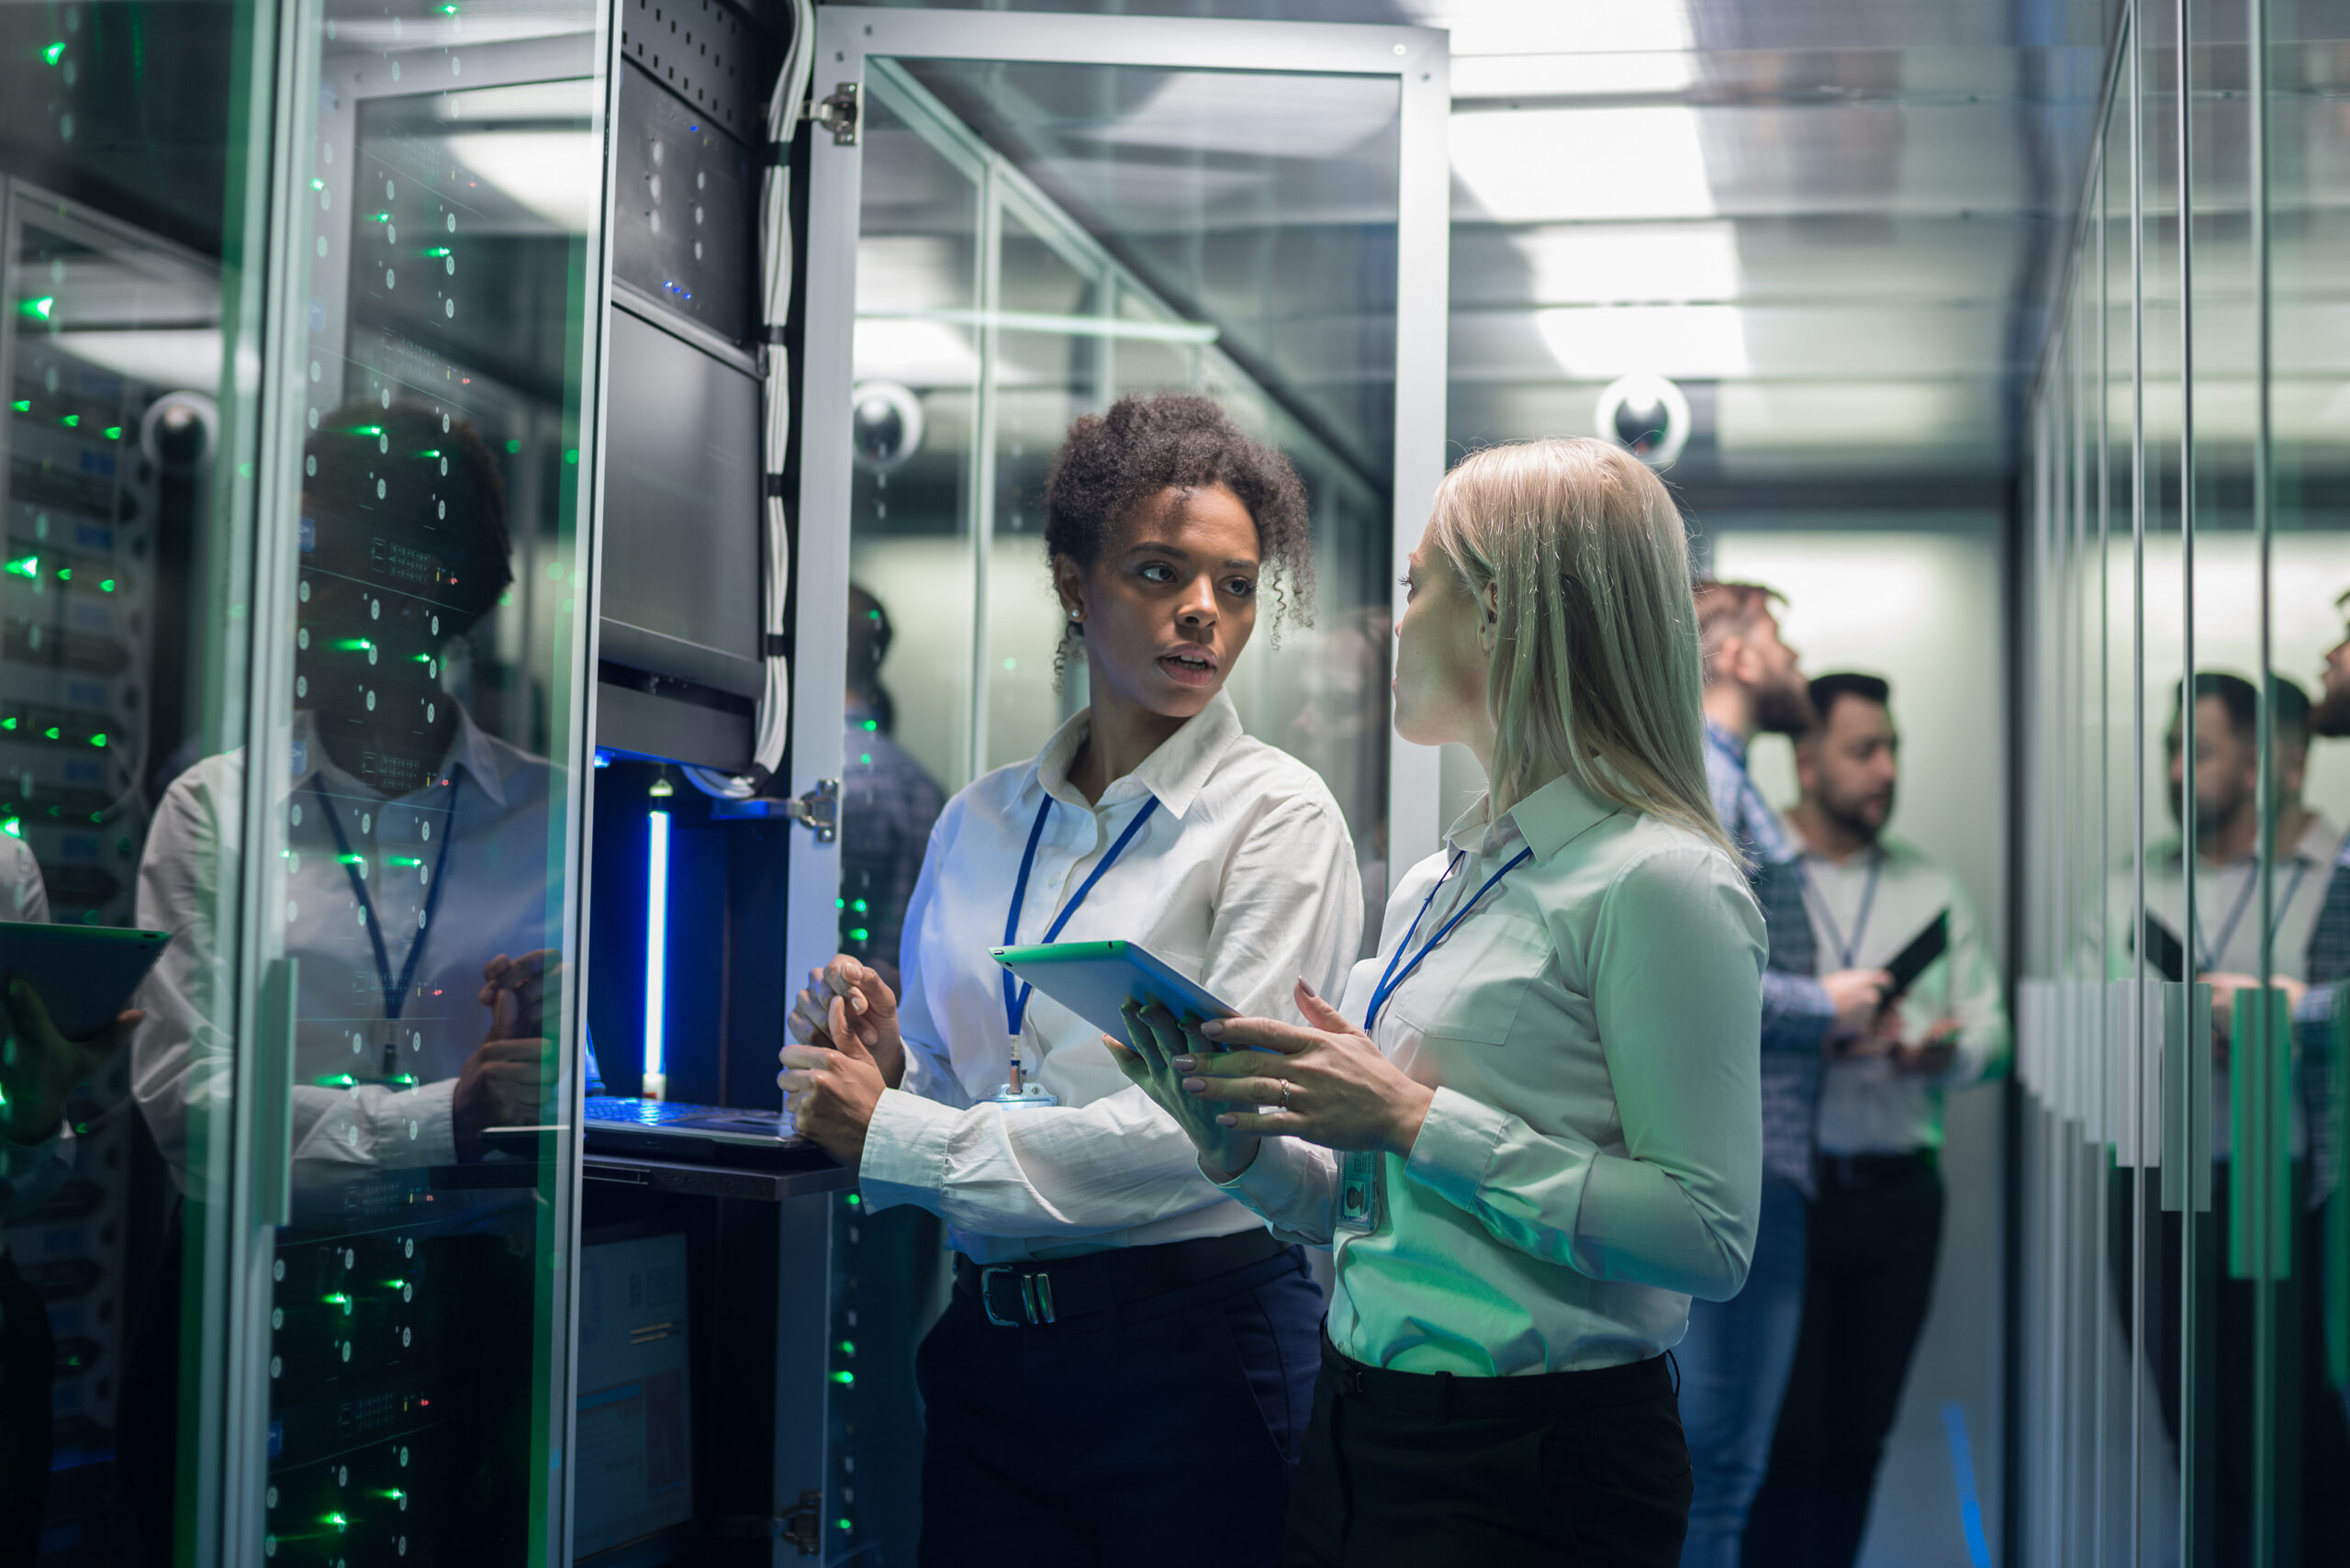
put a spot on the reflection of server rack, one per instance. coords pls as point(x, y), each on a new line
point(100, 321)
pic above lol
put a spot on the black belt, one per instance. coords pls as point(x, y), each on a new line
point(1862, 1171)
point(1034, 1293)
point(1445, 1396)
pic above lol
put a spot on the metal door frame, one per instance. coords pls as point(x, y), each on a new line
point(1418, 58)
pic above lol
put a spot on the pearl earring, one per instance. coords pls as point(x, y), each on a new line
point(1076, 615)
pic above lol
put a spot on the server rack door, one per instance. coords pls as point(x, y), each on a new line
point(424, 605)
point(1012, 220)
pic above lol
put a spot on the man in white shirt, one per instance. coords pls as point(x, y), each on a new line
point(2222, 944)
point(1876, 1217)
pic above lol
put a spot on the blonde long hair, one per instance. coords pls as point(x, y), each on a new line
point(1596, 671)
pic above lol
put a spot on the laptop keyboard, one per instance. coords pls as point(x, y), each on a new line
point(614, 1111)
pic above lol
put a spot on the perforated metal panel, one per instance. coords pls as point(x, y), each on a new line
point(710, 54)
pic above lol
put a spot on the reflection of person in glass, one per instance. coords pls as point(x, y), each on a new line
point(888, 802)
point(2222, 947)
point(1093, 1258)
point(416, 844)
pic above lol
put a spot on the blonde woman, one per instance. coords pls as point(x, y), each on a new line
point(1531, 1128)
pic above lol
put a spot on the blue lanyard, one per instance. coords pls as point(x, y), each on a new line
point(1848, 952)
point(395, 996)
point(1394, 977)
point(1015, 998)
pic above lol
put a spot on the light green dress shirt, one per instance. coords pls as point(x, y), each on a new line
point(1594, 1155)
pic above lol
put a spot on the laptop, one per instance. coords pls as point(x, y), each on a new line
point(701, 1135)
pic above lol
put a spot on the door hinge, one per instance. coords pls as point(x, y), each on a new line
point(803, 1523)
point(820, 809)
point(838, 113)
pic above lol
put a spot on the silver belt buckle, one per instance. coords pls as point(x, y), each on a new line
point(1035, 1296)
point(987, 1300)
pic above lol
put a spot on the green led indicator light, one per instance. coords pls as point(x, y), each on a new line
point(848, 1347)
point(338, 1521)
point(318, 185)
point(98, 741)
point(337, 1299)
point(23, 405)
point(871, 725)
point(429, 452)
point(106, 585)
point(866, 758)
point(395, 1496)
point(13, 827)
point(51, 733)
point(571, 454)
point(353, 645)
point(403, 860)
point(859, 906)
point(443, 250)
point(853, 1200)
point(383, 217)
point(64, 573)
point(844, 1377)
point(366, 429)
point(114, 432)
point(842, 1524)
point(335, 1080)
point(8, 724)
point(26, 565)
point(350, 859)
point(71, 421)
point(39, 308)
point(54, 52)
point(512, 447)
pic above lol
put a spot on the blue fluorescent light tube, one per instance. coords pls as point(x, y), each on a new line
point(656, 951)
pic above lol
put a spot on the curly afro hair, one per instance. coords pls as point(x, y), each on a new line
point(1114, 462)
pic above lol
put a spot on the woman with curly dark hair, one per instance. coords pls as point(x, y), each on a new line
point(1093, 1258)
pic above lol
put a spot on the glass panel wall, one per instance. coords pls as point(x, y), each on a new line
point(421, 721)
point(127, 222)
point(2188, 1329)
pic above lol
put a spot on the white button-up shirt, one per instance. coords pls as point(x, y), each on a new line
point(496, 865)
point(1244, 880)
point(1593, 1154)
point(1864, 910)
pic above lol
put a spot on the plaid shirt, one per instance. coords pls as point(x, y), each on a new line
point(2314, 1029)
point(1795, 1010)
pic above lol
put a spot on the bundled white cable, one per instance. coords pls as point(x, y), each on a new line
point(775, 301)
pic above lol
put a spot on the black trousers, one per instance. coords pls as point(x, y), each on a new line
point(2313, 1493)
point(1156, 1435)
point(28, 1367)
point(1402, 1469)
point(1876, 1227)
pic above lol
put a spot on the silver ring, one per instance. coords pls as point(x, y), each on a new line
point(1284, 1093)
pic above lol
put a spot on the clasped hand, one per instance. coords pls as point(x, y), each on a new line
point(845, 1051)
point(1326, 1083)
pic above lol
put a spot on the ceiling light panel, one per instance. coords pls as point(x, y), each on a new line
point(1559, 27)
point(1582, 165)
point(1630, 264)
